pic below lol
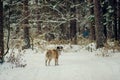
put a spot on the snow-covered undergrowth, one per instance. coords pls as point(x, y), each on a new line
point(75, 63)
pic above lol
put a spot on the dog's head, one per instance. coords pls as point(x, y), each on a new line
point(59, 48)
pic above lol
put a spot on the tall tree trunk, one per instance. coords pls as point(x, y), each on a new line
point(26, 24)
point(63, 31)
point(38, 16)
point(118, 19)
point(1, 32)
point(73, 31)
point(8, 35)
point(91, 23)
point(99, 29)
point(115, 19)
point(73, 25)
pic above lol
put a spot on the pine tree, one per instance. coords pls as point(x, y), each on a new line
point(114, 3)
point(108, 18)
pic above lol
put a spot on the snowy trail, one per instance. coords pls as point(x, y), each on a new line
point(73, 66)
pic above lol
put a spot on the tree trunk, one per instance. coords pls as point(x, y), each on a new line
point(63, 31)
point(1, 32)
point(25, 24)
point(73, 25)
point(99, 29)
point(38, 16)
point(115, 19)
point(118, 19)
point(73, 32)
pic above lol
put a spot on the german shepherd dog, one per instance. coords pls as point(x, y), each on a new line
point(53, 54)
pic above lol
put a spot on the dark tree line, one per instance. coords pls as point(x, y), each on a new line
point(106, 15)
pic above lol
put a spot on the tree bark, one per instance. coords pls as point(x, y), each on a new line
point(115, 19)
point(73, 31)
point(73, 24)
point(118, 19)
point(99, 29)
point(1, 33)
point(25, 24)
point(38, 16)
point(63, 31)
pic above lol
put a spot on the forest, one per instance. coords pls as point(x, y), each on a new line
point(59, 21)
point(30, 26)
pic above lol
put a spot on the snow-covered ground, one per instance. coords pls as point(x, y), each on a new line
point(75, 63)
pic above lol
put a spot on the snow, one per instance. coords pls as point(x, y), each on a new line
point(75, 63)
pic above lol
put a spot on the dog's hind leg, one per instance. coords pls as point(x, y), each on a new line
point(49, 62)
point(46, 62)
point(56, 62)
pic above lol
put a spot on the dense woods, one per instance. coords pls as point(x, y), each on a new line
point(59, 21)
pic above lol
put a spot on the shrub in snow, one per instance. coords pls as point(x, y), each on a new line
point(16, 59)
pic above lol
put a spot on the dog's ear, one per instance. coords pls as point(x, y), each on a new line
point(58, 47)
point(61, 47)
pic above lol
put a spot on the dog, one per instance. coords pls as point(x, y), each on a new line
point(53, 54)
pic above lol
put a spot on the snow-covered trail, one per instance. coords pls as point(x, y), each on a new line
point(73, 66)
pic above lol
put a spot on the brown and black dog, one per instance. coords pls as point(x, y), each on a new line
point(53, 54)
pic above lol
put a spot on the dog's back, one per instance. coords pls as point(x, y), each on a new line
point(52, 54)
